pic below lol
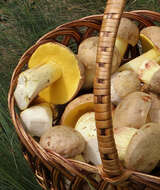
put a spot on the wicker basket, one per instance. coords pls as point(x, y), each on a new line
point(51, 169)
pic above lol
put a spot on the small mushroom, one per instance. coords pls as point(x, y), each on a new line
point(122, 84)
point(146, 65)
point(54, 74)
point(87, 55)
point(37, 119)
point(86, 126)
point(132, 111)
point(76, 108)
point(63, 140)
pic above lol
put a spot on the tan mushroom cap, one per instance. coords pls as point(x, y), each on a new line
point(87, 52)
point(72, 77)
point(63, 140)
point(128, 31)
point(150, 37)
point(143, 152)
point(76, 108)
point(132, 111)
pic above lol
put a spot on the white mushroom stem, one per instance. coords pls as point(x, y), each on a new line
point(123, 137)
point(121, 45)
point(37, 119)
point(137, 63)
point(32, 81)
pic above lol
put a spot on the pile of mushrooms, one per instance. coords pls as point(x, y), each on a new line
point(56, 107)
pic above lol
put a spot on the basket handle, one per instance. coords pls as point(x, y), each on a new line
point(102, 103)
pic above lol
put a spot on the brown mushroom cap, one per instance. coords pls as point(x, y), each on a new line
point(63, 140)
point(128, 31)
point(122, 84)
point(87, 52)
point(152, 35)
point(143, 152)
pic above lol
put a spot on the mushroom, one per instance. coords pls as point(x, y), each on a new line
point(128, 33)
point(138, 149)
point(149, 38)
point(86, 126)
point(55, 74)
point(63, 140)
point(143, 151)
point(146, 65)
point(122, 84)
point(154, 113)
point(87, 51)
point(132, 111)
point(76, 108)
point(37, 119)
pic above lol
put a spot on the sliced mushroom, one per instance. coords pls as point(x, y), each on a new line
point(54, 74)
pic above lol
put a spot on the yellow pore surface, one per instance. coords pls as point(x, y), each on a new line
point(146, 43)
point(62, 90)
point(72, 117)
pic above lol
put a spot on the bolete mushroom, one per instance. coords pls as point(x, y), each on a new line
point(132, 111)
point(146, 65)
point(87, 51)
point(138, 149)
point(143, 151)
point(76, 108)
point(37, 119)
point(154, 113)
point(63, 140)
point(55, 74)
point(128, 33)
point(86, 126)
point(122, 84)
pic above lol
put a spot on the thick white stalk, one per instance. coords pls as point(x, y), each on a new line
point(32, 81)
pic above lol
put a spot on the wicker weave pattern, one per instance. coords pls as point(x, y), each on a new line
point(107, 35)
point(51, 169)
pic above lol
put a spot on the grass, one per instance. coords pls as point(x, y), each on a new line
point(22, 22)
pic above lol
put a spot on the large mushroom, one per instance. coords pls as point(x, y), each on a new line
point(128, 33)
point(122, 84)
point(87, 51)
point(143, 151)
point(146, 65)
point(63, 140)
point(138, 149)
point(55, 74)
point(132, 111)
